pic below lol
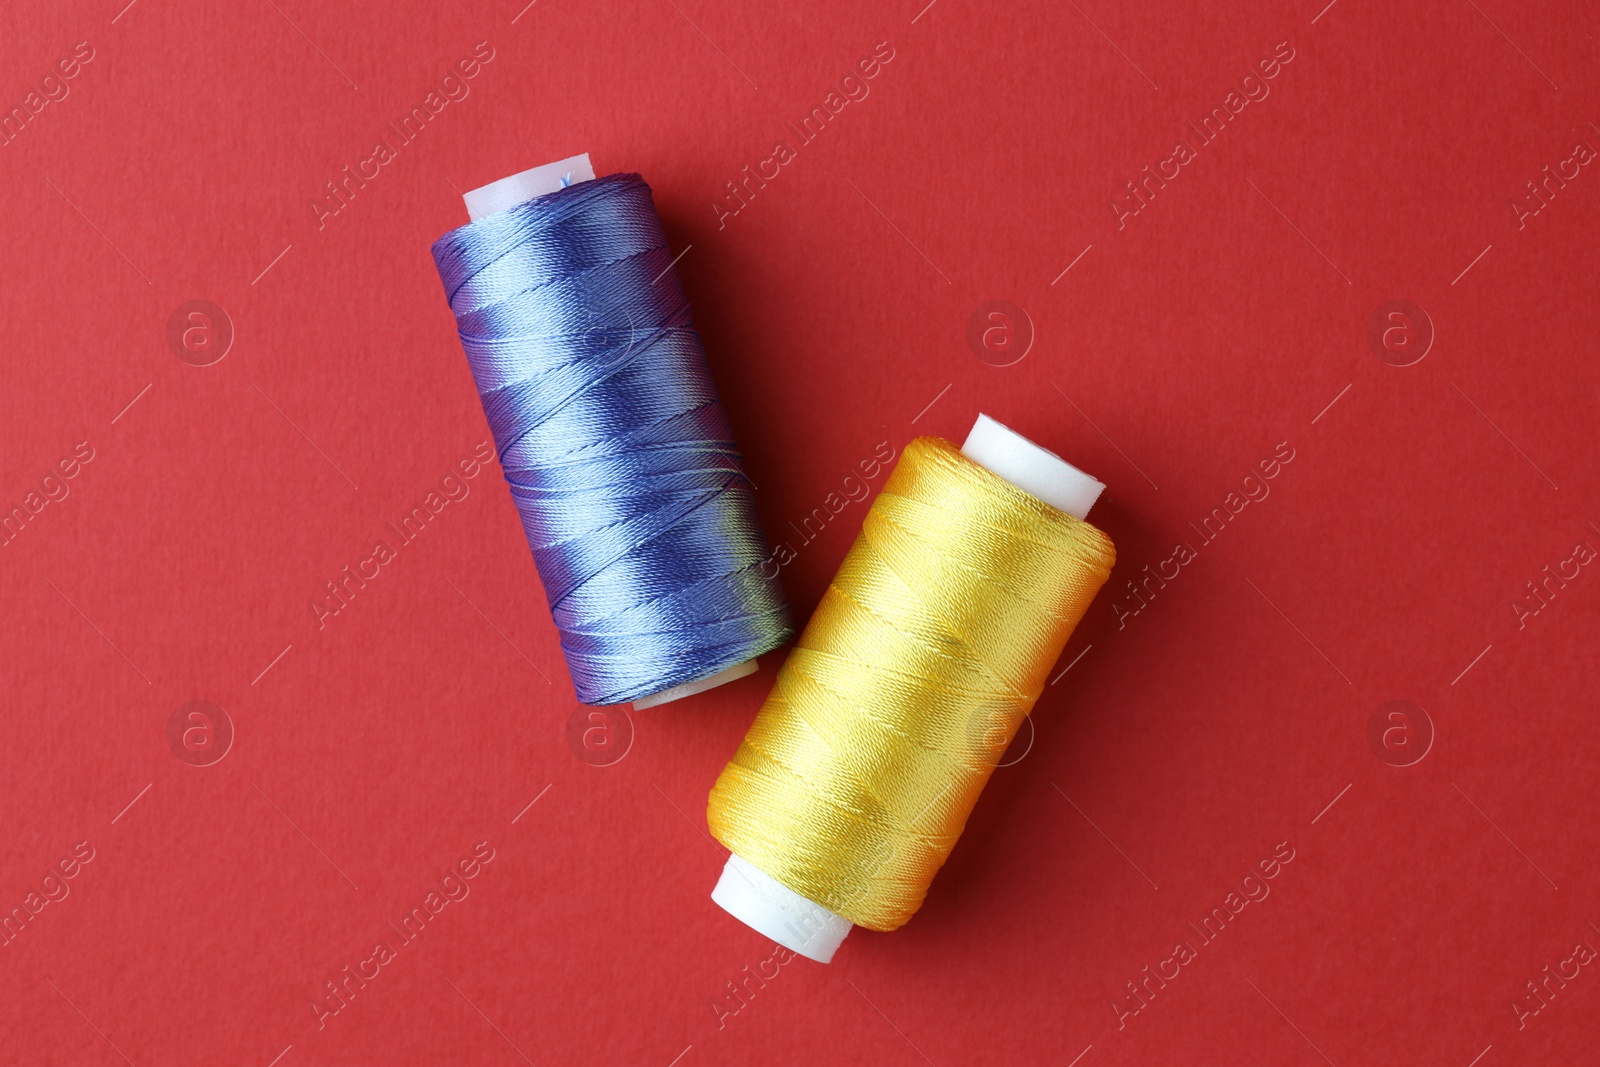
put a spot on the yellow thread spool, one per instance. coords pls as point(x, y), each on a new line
point(930, 646)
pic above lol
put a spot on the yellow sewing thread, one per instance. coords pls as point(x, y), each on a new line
point(929, 647)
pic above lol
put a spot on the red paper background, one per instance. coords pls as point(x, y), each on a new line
point(1178, 351)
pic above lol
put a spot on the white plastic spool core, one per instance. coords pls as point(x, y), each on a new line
point(765, 904)
point(517, 189)
point(1031, 468)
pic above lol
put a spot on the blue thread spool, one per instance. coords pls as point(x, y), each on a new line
point(608, 426)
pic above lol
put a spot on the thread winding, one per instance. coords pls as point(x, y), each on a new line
point(929, 647)
point(619, 457)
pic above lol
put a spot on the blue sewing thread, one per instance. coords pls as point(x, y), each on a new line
point(621, 463)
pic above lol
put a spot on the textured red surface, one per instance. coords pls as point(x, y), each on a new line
point(1174, 348)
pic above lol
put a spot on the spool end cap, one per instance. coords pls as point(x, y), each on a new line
point(523, 186)
point(699, 685)
point(1036, 470)
point(773, 910)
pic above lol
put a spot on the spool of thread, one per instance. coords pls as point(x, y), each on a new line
point(619, 457)
point(928, 649)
